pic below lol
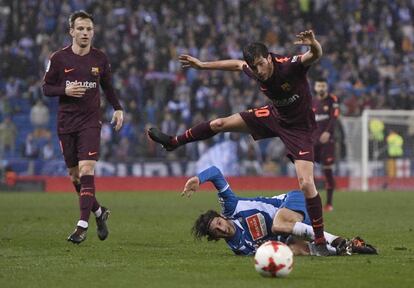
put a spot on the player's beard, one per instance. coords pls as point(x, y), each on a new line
point(264, 77)
point(322, 94)
point(83, 44)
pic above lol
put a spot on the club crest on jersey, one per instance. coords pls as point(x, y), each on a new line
point(295, 58)
point(257, 226)
point(325, 108)
point(286, 87)
point(95, 71)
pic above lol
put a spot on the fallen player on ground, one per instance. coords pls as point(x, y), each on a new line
point(246, 223)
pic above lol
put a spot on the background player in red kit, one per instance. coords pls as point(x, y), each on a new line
point(325, 106)
point(289, 116)
point(74, 73)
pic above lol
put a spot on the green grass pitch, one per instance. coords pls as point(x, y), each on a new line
point(150, 244)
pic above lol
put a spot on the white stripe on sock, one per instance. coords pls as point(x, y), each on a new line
point(83, 224)
point(98, 212)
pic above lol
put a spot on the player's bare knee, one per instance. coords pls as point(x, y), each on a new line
point(306, 185)
point(217, 125)
point(86, 169)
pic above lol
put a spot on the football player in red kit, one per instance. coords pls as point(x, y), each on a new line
point(74, 74)
point(325, 106)
point(289, 116)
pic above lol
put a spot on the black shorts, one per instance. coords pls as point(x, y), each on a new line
point(80, 145)
point(263, 123)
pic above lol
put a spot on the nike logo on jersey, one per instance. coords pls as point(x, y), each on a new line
point(92, 153)
point(301, 153)
point(69, 70)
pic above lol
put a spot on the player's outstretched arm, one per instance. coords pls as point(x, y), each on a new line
point(211, 174)
point(191, 186)
point(188, 61)
point(315, 52)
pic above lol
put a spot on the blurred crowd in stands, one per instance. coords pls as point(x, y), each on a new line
point(368, 61)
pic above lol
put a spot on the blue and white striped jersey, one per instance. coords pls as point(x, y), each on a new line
point(252, 217)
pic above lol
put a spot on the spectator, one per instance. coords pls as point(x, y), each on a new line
point(8, 134)
point(368, 60)
point(48, 152)
point(39, 115)
point(31, 150)
point(10, 177)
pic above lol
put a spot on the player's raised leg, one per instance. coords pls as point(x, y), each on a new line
point(202, 131)
point(304, 172)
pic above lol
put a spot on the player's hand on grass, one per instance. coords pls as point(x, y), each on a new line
point(188, 61)
point(118, 119)
point(305, 38)
point(324, 137)
point(191, 186)
point(75, 90)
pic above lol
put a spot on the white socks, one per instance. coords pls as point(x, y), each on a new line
point(306, 231)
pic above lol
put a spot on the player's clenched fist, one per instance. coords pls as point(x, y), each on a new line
point(75, 90)
point(188, 61)
point(191, 186)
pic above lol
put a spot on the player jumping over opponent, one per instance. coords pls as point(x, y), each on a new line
point(74, 74)
point(289, 116)
point(325, 106)
point(246, 223)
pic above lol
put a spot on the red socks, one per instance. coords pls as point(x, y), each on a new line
point(87, 196)
point(314, 206)
point(201, 131)
point(330, 185)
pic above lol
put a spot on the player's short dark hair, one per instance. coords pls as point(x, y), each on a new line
point(202, 224)
point(79, 14)
point(253, 51)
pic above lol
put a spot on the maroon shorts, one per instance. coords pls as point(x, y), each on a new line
point(325, 153)
point(263, 123)
point(81, 145)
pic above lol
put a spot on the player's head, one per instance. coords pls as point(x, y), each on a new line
point(81, 28)
point(321, 87)
point(213, 226)
point(259, 60)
